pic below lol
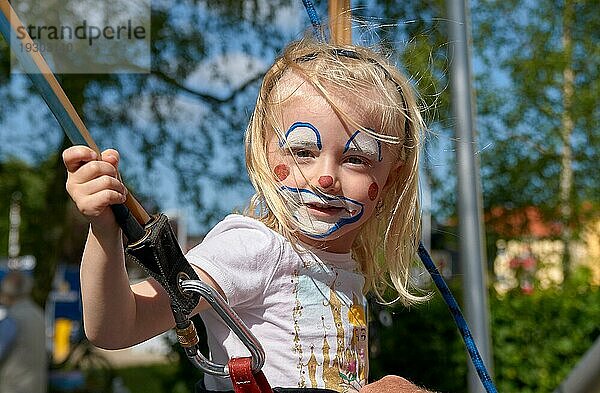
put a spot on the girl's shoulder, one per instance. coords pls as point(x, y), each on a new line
point(245, 234)
point(241, 223)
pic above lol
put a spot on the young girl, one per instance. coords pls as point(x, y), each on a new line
point(332, 150)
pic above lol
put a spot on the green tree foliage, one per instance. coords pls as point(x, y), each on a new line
point(50, 229)
point(522, 96)
point(421, 344)
point(537, 339)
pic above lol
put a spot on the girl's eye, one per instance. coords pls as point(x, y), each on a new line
point(357, 160)
point(303, 153)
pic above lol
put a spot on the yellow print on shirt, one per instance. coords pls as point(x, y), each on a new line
point(340, 360)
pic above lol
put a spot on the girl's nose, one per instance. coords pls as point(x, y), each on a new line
point(326, 181)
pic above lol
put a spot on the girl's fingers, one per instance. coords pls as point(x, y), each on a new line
point(102, 183)
point(93, 170)
point(96, 204)
point(111, 156)
point(76, 156)
point(92, 180)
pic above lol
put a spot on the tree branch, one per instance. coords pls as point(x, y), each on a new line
point(208, 98)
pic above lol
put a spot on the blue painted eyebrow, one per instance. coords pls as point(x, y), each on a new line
point(347, 146)
point(307, 125)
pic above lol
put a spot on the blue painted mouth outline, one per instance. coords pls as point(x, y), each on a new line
point(340, 223)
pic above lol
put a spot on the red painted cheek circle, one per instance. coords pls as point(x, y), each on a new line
point(373, 191)
point(282, 171)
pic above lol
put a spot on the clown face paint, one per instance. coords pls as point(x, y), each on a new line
point(364, 144)
point(373, 191)
point(336, 173)
point(302, 135)
point(282, 171)
point(319, 216)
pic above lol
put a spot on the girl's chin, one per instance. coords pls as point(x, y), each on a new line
point(325, 232)
point(321, 227)
point(332, 243)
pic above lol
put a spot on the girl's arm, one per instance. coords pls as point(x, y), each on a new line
point(115, 314)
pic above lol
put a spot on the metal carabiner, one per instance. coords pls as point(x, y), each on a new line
point(186, 332)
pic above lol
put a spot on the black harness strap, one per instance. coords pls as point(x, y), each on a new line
point(159, 254)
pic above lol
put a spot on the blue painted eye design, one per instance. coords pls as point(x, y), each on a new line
point(365, 145)
point(302, 134)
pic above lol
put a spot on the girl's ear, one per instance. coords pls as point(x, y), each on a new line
point(394, 172)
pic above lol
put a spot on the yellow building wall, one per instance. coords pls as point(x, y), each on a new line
point(548, 255)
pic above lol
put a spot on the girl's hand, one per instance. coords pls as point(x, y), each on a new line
point(93, 184)
point(392, 384)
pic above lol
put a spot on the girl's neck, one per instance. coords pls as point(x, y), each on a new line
point(336, 246)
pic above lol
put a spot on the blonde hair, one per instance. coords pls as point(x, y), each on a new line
point(386, 244)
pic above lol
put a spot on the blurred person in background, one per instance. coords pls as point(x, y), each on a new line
point(23, 366)
point(8, 332)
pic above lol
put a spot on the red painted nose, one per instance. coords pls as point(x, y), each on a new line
point(326, 181)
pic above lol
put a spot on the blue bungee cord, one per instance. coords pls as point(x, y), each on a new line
point(313, 16)
point(461, 323)
point(484, 376)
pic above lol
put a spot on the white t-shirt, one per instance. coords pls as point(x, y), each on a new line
point(306, 308)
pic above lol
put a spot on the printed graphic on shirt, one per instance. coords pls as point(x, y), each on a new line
point(326, 300)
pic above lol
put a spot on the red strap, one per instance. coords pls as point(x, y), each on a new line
point(240, 372)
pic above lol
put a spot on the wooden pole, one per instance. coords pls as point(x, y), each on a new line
point(340, 22)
